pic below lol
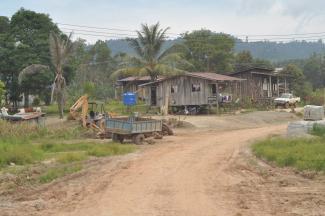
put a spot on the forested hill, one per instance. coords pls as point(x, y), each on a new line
point(272, 51)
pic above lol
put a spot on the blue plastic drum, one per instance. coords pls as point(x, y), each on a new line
point(129, 99)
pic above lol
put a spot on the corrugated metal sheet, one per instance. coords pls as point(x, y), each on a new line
point(213, 76)
point(135, 78)
point(201, 75)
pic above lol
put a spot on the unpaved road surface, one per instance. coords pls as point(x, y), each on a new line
point(198, 172)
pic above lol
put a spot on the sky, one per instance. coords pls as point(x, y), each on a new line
point(237, 17)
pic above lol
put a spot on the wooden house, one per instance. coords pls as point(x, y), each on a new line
point(190, 89)
point(262, 83)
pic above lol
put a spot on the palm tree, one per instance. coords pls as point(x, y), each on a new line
point(151, 60)
point(60, 50)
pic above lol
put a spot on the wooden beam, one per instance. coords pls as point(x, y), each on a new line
point(278, 86)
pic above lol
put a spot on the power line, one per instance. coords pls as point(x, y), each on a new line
point(283, 40)
point(100, 32)
point(179, 34)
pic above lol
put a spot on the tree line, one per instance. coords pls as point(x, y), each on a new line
point(35, 57)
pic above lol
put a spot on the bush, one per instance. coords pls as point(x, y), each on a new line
point(36, 101)
point(318, 130)
point(315, 98)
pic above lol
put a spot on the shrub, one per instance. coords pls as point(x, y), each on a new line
point(36, 101)
point(318, 130)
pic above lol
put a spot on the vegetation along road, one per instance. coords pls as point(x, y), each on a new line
point(200, 171)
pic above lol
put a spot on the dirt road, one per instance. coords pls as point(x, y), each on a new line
point(188, 176)
point(198, 172)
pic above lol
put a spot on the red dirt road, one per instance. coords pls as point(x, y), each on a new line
point(198, 172)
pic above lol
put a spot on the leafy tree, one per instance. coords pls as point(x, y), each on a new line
point(151, 60)
point(2, 91)
point(35, 79)
point(209, 51)
point(31, 31)
point(8, 62)
point(297, 80)
point(93, 64)
point(24, 40)
point(60, 49)
point(243, 60)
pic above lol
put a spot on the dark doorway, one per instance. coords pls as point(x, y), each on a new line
point(214, 89)
point(153, 96)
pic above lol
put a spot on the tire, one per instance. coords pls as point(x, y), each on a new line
point(166, 130)
point(287, 105)
point(117, 138)
point(138, 139)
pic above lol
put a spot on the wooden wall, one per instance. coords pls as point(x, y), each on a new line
point(259, 86)
point(185, 95)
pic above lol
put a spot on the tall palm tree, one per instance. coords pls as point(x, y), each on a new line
point(60, 50)
point(151, 59)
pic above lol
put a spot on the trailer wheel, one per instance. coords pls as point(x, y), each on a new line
point(138, 139)
point(117, 138)
point(166, 130)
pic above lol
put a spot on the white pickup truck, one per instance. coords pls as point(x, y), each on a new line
point(286, 100)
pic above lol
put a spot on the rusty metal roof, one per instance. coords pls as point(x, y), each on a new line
point(201, 75)
point(137, 78)
point(213, 76)
point(250, 69)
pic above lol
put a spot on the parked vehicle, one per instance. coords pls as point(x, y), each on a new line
point(286, 100)
point(136, 129)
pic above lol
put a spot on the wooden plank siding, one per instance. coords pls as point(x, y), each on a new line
point(184, 96)
point(261, 85)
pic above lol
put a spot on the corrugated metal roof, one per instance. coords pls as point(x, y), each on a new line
point(253, 69)
point(213, 76)
point(202, 75)
point(135, 78)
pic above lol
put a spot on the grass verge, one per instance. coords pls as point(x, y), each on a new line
point(303, 154)
point(57, 172)
point(26, 145)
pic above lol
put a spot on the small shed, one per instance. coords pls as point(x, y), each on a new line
point(190, 89)
point(131, 84)
point(262, 83)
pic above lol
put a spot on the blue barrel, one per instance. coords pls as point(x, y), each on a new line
point(129, 99)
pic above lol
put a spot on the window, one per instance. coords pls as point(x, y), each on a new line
point(174, 89)
point(196, 87)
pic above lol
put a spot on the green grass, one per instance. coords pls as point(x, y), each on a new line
point(17, 143)
point(57, 172)
point(109, 150)
point(28, 145)
point(303, 154)
point(23, 144)
point(71, 157)
point(318, 130)
point(53, 109)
